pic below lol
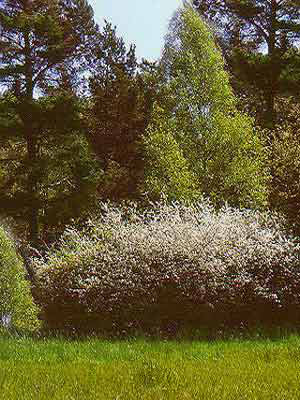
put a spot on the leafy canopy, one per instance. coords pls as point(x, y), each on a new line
point(221, 148)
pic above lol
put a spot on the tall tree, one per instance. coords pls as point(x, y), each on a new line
point(123, 92)
point(66, 174)
point(36, 38)
point(259, 38)
point(222, 150)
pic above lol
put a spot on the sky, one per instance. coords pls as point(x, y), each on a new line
point(140, 22)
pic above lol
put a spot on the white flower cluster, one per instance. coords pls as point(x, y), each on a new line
point(172, 262)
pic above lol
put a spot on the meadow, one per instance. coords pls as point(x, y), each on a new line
point(143, 369)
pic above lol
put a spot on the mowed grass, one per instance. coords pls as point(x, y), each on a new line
point(140, 369)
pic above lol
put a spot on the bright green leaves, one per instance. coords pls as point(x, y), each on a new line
point(201, 143)
point(194, 66)
point(16, 302)
point(233, 162)
point(167, 171)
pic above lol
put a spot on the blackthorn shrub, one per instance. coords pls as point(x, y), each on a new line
point(169, 268)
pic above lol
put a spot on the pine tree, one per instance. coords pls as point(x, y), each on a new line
point(36, 38)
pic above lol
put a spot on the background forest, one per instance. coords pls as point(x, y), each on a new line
point(151, 193)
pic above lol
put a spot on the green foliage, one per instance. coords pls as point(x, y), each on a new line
point(194, 67)
point(44, 45)
point(262, 57)
point(65, 171)
point(122, 96)
point(284, 160)
point(38, 36)
point(220, 146)
point(233, 162)
point(167, 172)
point(15, 297)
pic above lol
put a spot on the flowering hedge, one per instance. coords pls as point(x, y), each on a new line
point(171, 266)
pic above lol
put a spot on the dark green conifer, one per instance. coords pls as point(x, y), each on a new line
point(37, 37)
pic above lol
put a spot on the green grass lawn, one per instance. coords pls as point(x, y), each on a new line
point(94, 369)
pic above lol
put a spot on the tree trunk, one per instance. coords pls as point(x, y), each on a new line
point(32, 148)
point(270, 95)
